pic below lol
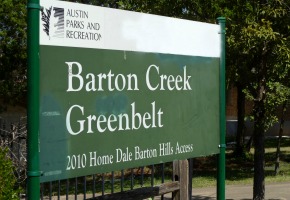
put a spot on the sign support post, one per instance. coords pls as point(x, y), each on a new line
point(33, 172)
point(222, 146)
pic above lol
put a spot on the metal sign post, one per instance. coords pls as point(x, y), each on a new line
point(33, 172)
point(222, 157)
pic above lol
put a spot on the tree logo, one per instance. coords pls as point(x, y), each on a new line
point(53, 26)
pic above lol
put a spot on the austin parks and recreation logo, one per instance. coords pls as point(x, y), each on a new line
point(57, 29)
point(69, 23)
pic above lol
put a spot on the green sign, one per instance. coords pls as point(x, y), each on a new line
point(119, 89)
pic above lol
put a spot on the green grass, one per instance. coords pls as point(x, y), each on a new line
point(241, 170)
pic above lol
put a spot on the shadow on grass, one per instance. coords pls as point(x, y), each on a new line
point(236, 168)
point(272, 142)
point(241, 168)
point(271, 156)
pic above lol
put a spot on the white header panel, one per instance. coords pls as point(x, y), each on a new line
point(85, 26)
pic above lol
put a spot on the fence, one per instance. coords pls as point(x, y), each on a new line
point(13, 135)
point(135, 183)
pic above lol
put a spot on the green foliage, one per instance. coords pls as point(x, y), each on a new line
point(258, 54)
point(7, 178)
point(199, 10)
point(104, 3)
point(259, 51)
point(13, 50)
point(161, 7)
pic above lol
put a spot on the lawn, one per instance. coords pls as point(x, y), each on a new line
point(241, 170)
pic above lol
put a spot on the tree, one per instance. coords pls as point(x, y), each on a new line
point(104, 3)
point(237, 70)
point(13, 51)
point(262, 43)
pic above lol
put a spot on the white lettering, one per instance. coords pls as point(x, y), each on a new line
point(77, 75)
point(68, 123)
point(148, 78)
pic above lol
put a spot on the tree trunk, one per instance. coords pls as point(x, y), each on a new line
point(241, 122)
point(259, 155)
point(259, 166)
point(277, 163)
point(260, 121)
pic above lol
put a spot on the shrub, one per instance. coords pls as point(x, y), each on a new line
point(7, 178)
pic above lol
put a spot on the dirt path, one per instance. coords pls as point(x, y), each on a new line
point(274, 191)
